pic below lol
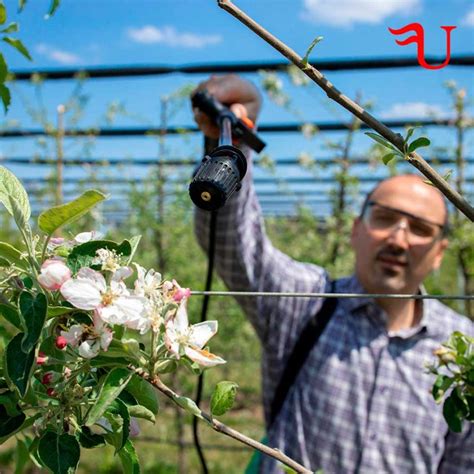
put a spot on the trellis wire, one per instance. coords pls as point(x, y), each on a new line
point(332, 295)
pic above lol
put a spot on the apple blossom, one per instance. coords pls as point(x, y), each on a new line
point(114, 304)
point(54, 273)
point(47, 378)
point(181, 338)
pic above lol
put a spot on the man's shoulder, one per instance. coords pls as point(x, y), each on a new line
point(443, 320)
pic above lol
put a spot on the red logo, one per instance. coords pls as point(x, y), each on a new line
point(419, 39)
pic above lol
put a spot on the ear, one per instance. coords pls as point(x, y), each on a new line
point(442, 245)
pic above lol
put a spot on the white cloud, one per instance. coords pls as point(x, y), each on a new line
point(168, 35)
point(468, 20)
point(348, 12)
point(413, 110)
point(57, 55)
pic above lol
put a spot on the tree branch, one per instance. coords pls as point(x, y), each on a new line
point(333, 93)
point(222, 428)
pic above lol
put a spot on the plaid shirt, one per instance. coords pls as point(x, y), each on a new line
point(362, 402)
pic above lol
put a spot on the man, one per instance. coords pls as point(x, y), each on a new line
point(362, 400)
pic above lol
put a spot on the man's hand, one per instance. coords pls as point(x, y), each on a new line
point(240, 95)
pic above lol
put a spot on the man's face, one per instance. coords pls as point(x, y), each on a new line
point(392, 259)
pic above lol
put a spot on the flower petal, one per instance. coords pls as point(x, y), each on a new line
point(81, 293)
point(203, 357)
point(89, 349)
point(200, 333)
point(95, 277)
point(181, 318)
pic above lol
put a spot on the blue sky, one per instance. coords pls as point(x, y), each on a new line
point(126, 32)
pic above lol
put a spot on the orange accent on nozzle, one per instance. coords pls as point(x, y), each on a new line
point(248, 122)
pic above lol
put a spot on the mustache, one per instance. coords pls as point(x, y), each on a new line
point(393, 252)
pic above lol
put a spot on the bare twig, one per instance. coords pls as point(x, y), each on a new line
point(222, 428)
point(333, 93)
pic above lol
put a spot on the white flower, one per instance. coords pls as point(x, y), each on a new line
point(54, 273)
point(180, 338)
point(148, 283)
point(73, 335)
point(84, 237)
point(108, 260)
point(113, 304)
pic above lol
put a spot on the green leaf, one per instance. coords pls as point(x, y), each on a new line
point(5, 96)
point(3, 13)
point(51, 220)
point(21, 4)
point(144, 393)
point(189, 405)
point(223, 397)
point(384, 142)
point(388, 158)
point(60, 453)
point(139, 411)
point(3, 69)
point(26, 424)
point(22, 456)
point(82, 255)
point(10, 424)
point(89, 440)
point(134, 241)
point(442, 383)
point(116, 380)
point(53, 7)
point(308, 51)
point(410, 133)
point(9, 400)
point(33, 313)
point(10, 313)
point(12, 255)
point(418, 143)
point(11, 28)
point(13, 196)
point(18, 45)
point(54, 311)
point(129, 459)
point(18, 364)
point(451, 414)
point(119, 418)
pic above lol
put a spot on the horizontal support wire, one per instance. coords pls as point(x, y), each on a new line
point(101, 162)
point(113, 132)
point(343, 64)
point(331, 295)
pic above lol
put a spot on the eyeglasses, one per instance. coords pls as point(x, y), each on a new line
point(386, 219)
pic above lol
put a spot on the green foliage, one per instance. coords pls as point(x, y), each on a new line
point(56, 217)
point(33, 311)
point(60, 453)
point(408, 147)
point(19, 364)
point(308, 51)
point(13, 196)
point(223, 397)
point(116, 380)
point(455, 379)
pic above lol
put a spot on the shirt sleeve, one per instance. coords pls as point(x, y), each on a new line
point(458, 457)
point(247, 261)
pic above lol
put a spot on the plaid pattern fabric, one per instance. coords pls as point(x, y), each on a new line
point(362, 402)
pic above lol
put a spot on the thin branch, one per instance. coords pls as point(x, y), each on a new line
point(333, 93)
point(224, 429)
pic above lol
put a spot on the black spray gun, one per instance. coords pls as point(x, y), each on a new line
point(222, 170)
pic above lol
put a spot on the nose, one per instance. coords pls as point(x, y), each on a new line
point(400, 238)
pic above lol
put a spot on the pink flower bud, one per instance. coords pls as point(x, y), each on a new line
point(53, 274)
point(181, 293)
point(51, 392)
point(42, 358)
point(61, 342)
point(47, 378)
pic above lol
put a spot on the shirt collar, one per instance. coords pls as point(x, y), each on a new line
point(353, 285)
